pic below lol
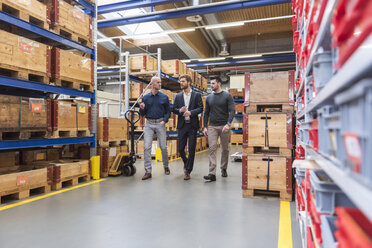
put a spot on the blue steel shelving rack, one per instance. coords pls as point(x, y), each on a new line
point(13, 86)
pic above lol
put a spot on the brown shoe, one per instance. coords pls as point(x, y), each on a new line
point(147, 176)
point(187, 177)
point(166, 170)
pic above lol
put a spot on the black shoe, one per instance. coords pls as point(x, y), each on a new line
point(223, 173)
point(210, 177)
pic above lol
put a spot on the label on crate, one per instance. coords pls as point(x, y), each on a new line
point(36, 107)
point(24, 2)
point(85, 63)
point(112, 152)
point(22, 180)
point(78, 14)
point(353, 149)
point(84, 169)
point(82, 108)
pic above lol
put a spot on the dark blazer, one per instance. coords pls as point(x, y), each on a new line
point(195, 107)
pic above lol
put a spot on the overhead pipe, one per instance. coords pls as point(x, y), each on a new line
point(236, 68)
point(189, 11)
point(133, 4)
point(244, 61)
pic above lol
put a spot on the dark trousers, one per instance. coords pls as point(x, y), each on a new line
point(187, 132)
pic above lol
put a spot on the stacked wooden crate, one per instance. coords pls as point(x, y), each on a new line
point(268, 135)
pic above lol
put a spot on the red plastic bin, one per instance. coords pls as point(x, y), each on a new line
point(313, 134)
point(354, 229)
point(315, 217)
point(310, 241)
point(352, 24)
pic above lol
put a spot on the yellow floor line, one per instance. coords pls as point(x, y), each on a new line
point(48, 195)
point(285, 226)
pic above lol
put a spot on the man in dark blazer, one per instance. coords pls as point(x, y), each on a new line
point(188, 105)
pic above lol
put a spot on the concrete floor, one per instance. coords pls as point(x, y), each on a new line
point(165, 211)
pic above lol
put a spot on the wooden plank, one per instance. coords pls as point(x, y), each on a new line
point(236, 138)
point(21, 57)
point(269, 87)
point(28, 10)
point(22, 114)
point(277, 126)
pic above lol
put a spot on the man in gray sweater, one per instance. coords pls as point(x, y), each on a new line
point(220, 111)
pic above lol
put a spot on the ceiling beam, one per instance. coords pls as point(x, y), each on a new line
point(189, 11)
point(133, 4)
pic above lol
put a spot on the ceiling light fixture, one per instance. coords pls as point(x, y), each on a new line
point(247, 56)
point(179, 31)
point(211, 59)
point(225, 25)
point(104, 40)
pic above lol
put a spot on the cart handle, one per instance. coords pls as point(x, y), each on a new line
point(132, 114)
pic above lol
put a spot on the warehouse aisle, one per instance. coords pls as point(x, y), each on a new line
point(165, 211)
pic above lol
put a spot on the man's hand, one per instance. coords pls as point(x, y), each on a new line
point(187, 113)
point(142, 105)
point(205, 132)
point(226, 128)
point(183, 109)
point(162, 122)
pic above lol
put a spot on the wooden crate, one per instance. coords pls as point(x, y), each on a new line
point(9, 161)
point(236, 139)
point(236, 126)
point(31, 11)
point(23, 58)
point(267, 174)
point(198, 144)
point(237, 93)
point(23, 118)
point(143, 63)
point(239, 108)
point(71, 118)
point(112, 131)
point(136, 89)
point(269, 87)
point(28, 157)
point(204, 83)
point(70, 22)
point(71, 70)
point(70, 172)
point(279, 133)
point(19, 184)
point(170, 95)
point(191, 73)
point(173, 67)
point(204, 142)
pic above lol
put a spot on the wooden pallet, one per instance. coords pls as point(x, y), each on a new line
point(272, 107)
point(70, 181)
point(70, 132)
point(236, 128)
point(111, 143)
point(23, 135)
point(24, 192)
point(237, 144)
point(268, 151)
point(20, 73)
point(70, 34)
point(136, 128)
point(267, 195)
point(74, 84)
point(25, 13)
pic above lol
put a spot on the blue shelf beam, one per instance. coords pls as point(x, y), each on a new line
point(190, 11)
point(132, 4)
point(36, 30)
point(245, 61)
point(41, 87)
point(89, 7)
point(19, 144)
point(238, 100)
point(239, 115)
point(237, 131)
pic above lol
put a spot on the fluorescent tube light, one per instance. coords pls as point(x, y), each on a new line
point(211, 59)
point(178, 31)
point(225, 25)
point(247, 56)
point(104, 40)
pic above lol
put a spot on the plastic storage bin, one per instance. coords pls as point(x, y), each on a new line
point(322, 69)
point(327, 194)
point(328, 227)
point(356, 124)
point(354, 229)
point(329, 133)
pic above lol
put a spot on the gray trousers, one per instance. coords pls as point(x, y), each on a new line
point(213, 133)
point(160, 130)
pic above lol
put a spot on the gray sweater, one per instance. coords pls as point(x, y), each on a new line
point(219, 108)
